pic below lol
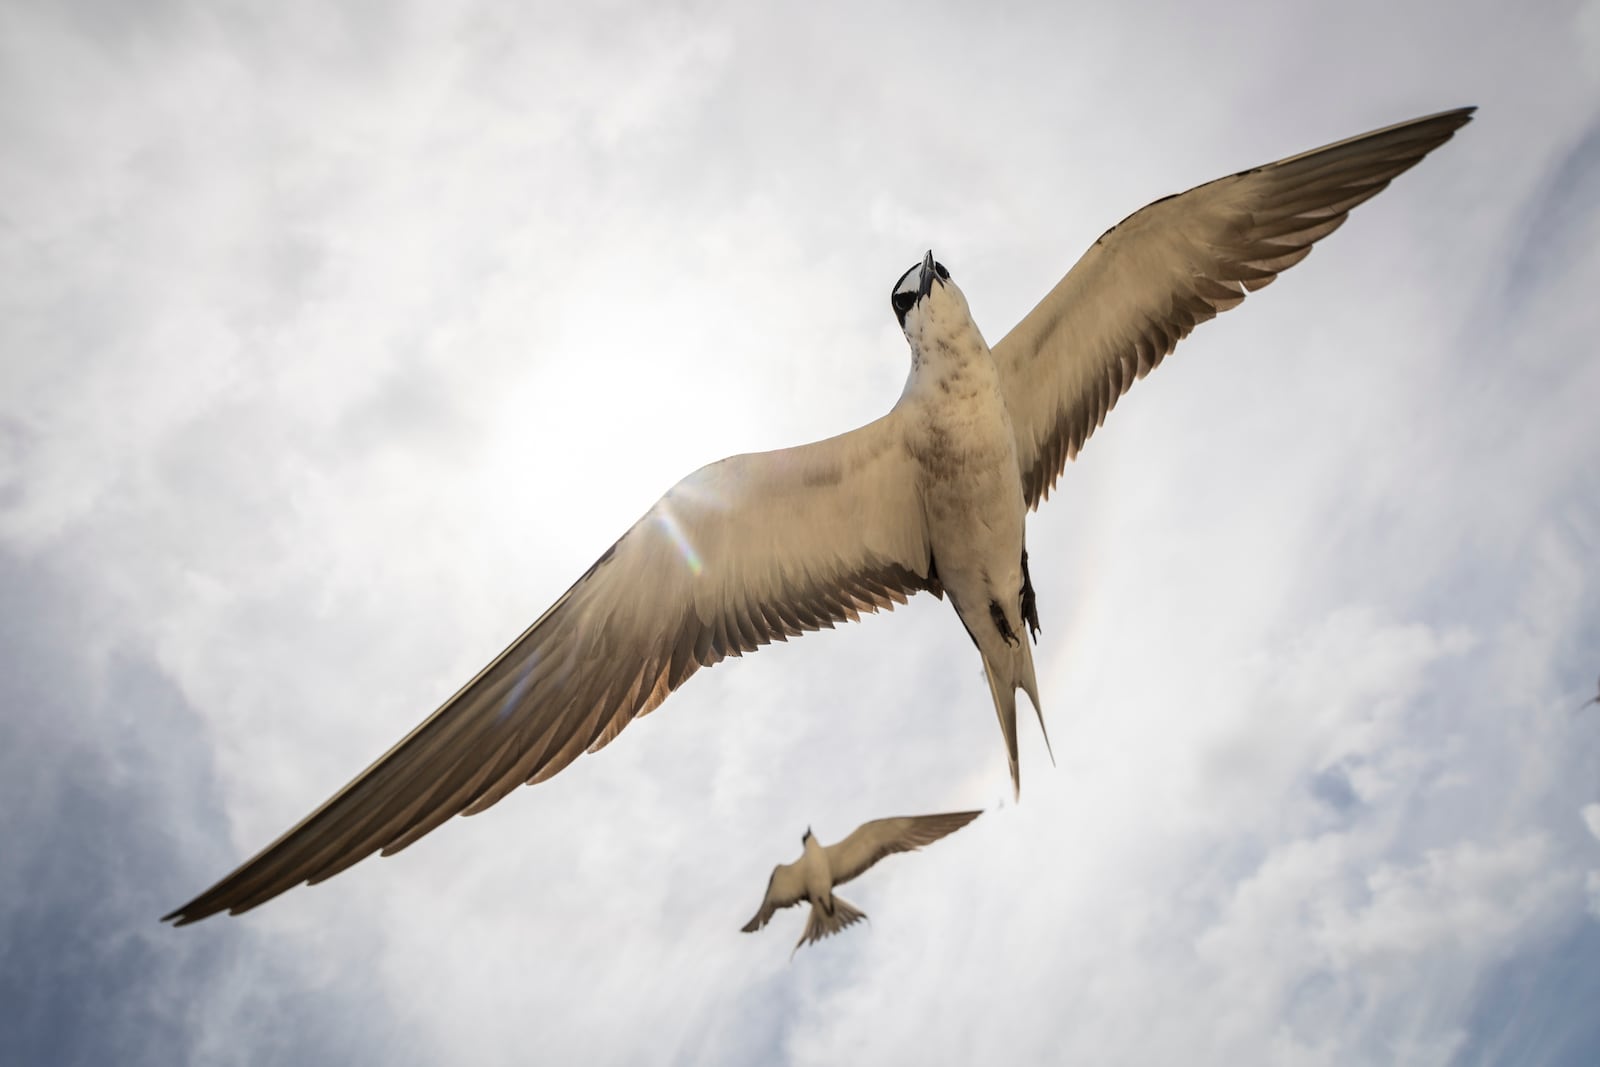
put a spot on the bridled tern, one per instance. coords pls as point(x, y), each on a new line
point(932, 496)
point(822, 867)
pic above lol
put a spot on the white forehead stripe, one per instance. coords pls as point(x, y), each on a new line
point(909, 280)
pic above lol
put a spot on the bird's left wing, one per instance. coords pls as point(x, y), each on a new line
point(745, 551)
point(1173, 264)
point(874, 840)
point(784, 889)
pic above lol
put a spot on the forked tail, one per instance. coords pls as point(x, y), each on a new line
point(1013, 671)
point(821, 924)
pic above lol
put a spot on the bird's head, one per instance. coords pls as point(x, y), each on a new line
point(807, 836)
point(928, 303)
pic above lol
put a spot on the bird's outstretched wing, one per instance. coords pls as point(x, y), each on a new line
point(745, 551)
point(784, 889)
point(1153, 277)
point(874, 840)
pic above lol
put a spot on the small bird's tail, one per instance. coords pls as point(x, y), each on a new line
point(1010, 670)
point(821, 924)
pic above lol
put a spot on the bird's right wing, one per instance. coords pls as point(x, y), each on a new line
point(784, 889)
point(1171, 265)
point(874, 840)
point(745, 551)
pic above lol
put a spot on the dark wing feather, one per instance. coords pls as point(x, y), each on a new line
point(1172, 265)
point(874, 840)
point(784, 889)
point(749, 550)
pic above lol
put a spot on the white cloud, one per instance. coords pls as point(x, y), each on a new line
point(335, 345)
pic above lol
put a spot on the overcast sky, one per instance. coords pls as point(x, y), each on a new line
point(333, 347)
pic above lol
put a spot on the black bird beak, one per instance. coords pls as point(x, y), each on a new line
point(925, 279)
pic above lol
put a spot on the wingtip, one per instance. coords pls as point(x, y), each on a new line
point(1463, 113)
point(1453, 119)
point(183, 917)
point(202, 908)
point(180, 916)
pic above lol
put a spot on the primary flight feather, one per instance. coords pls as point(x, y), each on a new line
point(932, 496)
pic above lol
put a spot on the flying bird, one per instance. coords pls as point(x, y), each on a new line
point(930, 497)
point(821, 868)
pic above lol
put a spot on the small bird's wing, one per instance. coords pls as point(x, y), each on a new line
point(1153, 277)
point(745, 551)
point(874, 840)
point(784, 889)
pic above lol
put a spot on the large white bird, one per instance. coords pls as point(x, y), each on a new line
point(932, 496)
point(821, 868)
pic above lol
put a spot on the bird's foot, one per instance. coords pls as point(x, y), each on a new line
point(1001, 623)
point(1030, 606)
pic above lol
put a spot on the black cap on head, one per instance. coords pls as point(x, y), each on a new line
point(915, 284)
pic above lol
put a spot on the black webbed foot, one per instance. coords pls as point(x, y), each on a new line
point(1001, 623)
point(1030, 606)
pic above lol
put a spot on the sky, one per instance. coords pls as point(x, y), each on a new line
point(337, 340)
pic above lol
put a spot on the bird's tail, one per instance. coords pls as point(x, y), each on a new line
point(1008, 670)
point(821, 924)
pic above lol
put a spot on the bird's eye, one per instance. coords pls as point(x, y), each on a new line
point(938, 268)
point(903, 302)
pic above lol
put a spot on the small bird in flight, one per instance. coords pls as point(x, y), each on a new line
point(932, 496)
point(822, 867)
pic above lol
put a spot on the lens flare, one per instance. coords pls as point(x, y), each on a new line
point(669, 523)
point(525, 676)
